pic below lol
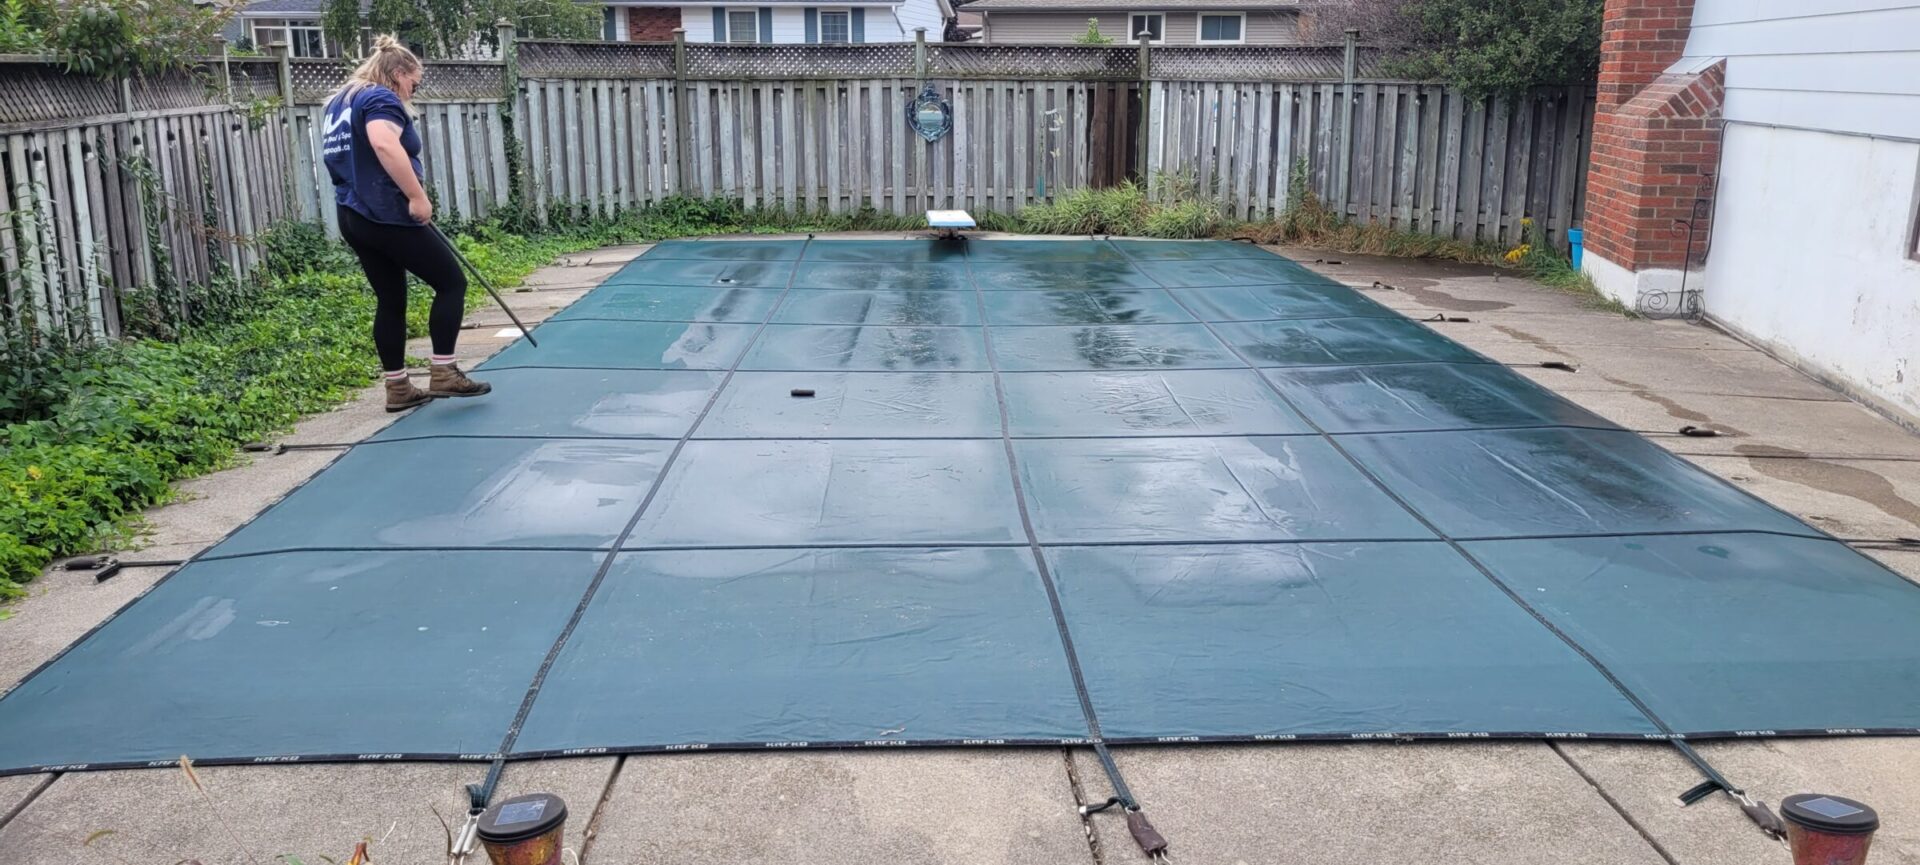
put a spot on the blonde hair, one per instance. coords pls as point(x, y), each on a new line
point(384, 66)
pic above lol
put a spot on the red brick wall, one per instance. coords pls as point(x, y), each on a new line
point(1638, 40)
point(1655, 137)
point(652, 23)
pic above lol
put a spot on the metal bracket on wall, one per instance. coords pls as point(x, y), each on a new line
point(1678, 303)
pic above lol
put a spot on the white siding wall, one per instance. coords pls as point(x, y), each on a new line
point(1813, 227)
point(1840, 65)
point(790, 22)
point(1810, 256)
point(917, 13)
point(698, 22)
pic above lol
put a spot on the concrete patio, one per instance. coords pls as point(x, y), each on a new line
point(1785, 437)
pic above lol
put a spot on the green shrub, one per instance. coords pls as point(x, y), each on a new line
point(1486, 47)
point(96, 435)
point(1093, 36)
point(1119, 209)
point(1184, 219)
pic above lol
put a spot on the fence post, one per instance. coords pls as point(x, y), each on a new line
point(510, 119)
point(287, 77)
point(1143, 140)
point(289, 134)
point(683, 124)
point(920, 53)
point(1344, 175)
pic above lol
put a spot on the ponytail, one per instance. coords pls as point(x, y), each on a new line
point(384, 66)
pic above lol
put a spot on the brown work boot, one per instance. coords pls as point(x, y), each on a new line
point(448, 380)
point(402, 395)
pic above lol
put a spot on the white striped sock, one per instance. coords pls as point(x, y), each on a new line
point(442, 359)
point(396, 374)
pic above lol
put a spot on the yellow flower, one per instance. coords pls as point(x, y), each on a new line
point(33, 472)
point(1526, 222)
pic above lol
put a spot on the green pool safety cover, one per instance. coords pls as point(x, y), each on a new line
point(826, 493)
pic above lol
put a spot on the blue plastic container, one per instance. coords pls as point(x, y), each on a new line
point(1573, 245)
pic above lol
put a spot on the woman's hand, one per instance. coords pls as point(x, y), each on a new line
point(420, 209)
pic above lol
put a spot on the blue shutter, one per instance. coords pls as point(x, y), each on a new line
point(766, 25)
point(606, 23)
point(719, 24)
point(813, 23)
point(859, 24)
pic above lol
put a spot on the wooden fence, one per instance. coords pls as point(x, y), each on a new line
point(599, 128)
point(1418, 157)
point(156, 184)
point(819, 128)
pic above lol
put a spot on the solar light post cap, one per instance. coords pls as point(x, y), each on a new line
point(522, 817)
point(1831, 815)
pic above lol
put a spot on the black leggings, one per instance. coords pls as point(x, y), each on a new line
point(387, 254)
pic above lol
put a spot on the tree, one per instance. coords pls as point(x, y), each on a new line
point(450, 28)
point(1093, 35)
point(1485, 46)
point(111, 38)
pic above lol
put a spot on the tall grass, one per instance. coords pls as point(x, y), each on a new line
point(1180, 208)
point(1544, 264)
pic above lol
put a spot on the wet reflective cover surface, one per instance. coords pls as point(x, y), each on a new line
point(790, 493)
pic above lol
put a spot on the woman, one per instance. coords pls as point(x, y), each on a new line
point(372, 152)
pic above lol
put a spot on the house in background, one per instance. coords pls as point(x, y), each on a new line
point(777, 22)
point(295, 23)
point(1168, 22)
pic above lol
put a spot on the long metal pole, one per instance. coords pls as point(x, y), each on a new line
point(484, 284)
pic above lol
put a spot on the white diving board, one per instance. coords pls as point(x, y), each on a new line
point(949, 222)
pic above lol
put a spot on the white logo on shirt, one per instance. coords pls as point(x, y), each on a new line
point(337, 135)
point(338, 120)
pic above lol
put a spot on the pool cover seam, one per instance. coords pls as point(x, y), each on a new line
point(1092, 719)
point(606, 563)
point(1392, 316)
point(1698, 761)
point(1240, 365)
point(938, 544)
point(972, 438)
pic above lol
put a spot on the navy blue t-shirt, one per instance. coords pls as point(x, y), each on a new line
point(359, 180)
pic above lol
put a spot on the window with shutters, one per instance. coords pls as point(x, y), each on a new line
point(1154, 24)
point(743, 25)
point(836, 27)
point(1222, 29)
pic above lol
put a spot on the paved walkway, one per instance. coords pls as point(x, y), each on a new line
point(1792, 441)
